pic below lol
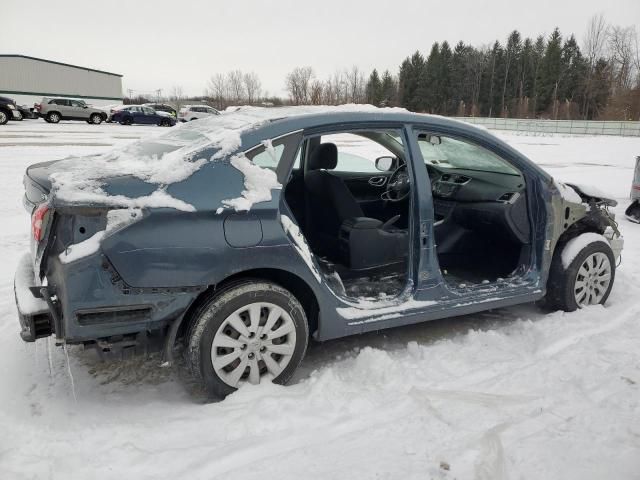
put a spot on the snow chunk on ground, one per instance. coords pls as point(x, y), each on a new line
point(25, 278)
point(300, 244)
point(575, 246)
point(258, 183)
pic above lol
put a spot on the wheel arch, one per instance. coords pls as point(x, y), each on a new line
point(290, 281)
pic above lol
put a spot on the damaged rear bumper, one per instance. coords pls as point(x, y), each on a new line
point(34, 314)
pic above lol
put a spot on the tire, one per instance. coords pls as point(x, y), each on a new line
point(587, 279)
point(4, 117)
point(194, 118)
point(242, 350)
point(96, 118)
point(19, 118)
point(53, 117)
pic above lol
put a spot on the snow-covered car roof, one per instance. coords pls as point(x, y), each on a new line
point(176, 155)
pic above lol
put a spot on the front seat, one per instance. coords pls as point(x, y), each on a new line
point(336, 225)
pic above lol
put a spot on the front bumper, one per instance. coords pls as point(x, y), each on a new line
point(34, 314)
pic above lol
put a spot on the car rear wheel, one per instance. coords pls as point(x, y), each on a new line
point(250, 332)
point(19, 117)
point(96, 118)
point(585, 276)
point(4, 118)
point(53, 117)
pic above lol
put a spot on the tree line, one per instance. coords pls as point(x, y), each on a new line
point(544, 77)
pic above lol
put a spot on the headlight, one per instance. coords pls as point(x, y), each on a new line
point(11, 107)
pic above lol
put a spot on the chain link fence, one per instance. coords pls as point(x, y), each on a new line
point(569, 127)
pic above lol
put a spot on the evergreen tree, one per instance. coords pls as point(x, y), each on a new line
point(550, 72)
point(388, 89)
point(374, 89)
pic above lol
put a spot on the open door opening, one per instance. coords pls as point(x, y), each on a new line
point(350, 194)
point(481, 222)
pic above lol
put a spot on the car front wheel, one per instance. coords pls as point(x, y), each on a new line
point(96, 119)
point(582, 273)
point(53, 117)
point(249, 332)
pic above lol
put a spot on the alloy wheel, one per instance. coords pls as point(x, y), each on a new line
point(593, 279)
point(255, 342)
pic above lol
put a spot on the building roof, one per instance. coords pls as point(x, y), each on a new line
point(59, 63)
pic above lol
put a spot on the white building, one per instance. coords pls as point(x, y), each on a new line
point(28, 79)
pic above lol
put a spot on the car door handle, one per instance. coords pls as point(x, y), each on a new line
point(377, 181)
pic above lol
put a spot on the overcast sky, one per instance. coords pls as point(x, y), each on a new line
point(158, 44)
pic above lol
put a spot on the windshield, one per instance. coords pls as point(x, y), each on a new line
point(446, 152)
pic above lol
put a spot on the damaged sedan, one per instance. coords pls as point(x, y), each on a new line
point(239, 237)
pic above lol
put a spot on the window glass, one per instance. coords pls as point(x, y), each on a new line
point(447, 152)
point(147, 111)
point(357, 153)
point(268, 157)
point(60, 101)
point(77, 103)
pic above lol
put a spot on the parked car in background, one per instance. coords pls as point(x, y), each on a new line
point(55, 109)
point(277, 238)
point(194, 112)
point(162, 107)
point(27, 112)
point(8, 110)
point(140, 114)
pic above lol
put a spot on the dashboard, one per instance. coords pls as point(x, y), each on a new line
point(487, 202)
point(463, 185)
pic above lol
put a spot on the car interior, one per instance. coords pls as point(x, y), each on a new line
point(481, 223)
point(350, 194)
point(354, 222)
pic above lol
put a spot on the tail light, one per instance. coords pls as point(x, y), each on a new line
point(37, 220)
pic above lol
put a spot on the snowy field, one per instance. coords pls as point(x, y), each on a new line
point(507, 394)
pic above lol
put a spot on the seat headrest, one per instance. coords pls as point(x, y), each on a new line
point(324, 156)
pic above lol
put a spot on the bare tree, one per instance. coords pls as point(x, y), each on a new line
point(316, 92)
point(622, 44)
point(356, 83)
point(177, 96)
point(298, 84)
point(252, 87)
point(218, 89)
point(593, 48)
point(235, 79)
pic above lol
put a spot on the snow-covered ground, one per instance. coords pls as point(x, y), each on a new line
point(513, 393)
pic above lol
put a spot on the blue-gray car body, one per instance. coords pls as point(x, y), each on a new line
point(150, 273)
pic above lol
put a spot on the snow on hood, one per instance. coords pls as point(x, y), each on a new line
point(172, 157)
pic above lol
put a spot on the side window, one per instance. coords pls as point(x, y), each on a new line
point(279, 157)
point(357, 153)
point(76, 103)
point(61, 101)
point(147, 111)
point(268, 157)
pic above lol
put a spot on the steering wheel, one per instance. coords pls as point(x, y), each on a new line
point(398, 185)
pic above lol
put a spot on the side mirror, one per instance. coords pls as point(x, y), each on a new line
point(385, 164)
